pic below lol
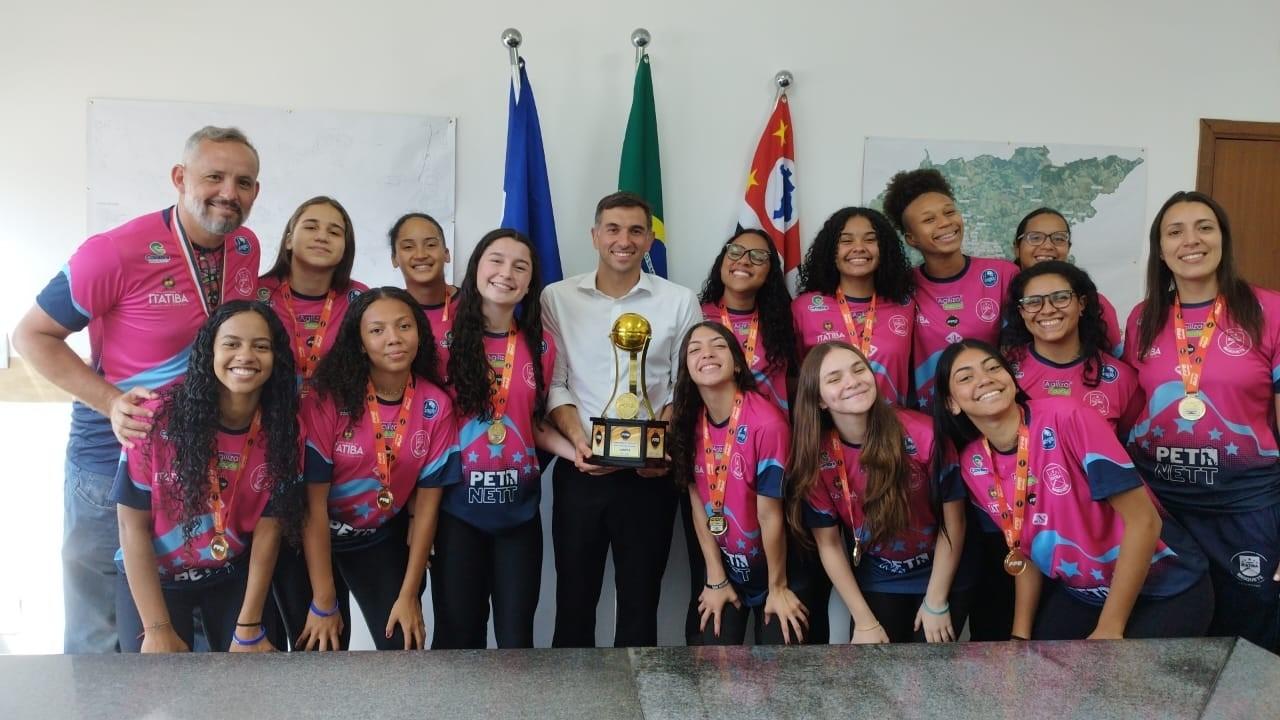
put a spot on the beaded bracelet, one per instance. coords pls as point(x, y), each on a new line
point(946, 608)
point(262, 635)
point(325, 613)
point(719, 586)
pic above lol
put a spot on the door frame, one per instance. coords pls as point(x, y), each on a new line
point(1212, 130)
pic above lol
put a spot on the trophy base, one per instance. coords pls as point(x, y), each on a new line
point(629, 443)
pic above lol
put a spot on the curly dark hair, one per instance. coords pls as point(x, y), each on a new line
point(908, 185)
point(469, 371)
point(1016, 339)
point(687, 405)
point(777, 330)
point(188, 420)
point(343, 374)
point(820, 272)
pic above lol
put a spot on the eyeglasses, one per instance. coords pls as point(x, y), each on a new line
point(1062, 238)
point(1060, 299)
point(734, 251)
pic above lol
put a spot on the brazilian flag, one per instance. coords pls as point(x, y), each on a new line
point(641, 170)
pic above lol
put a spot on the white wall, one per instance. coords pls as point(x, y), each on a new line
point(1134, 73)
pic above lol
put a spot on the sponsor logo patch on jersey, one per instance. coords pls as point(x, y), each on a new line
point(242, 245)
point(742, 435)
point(430, 409)
point(951, 302)
point(990, 277)
point(1048, 440)
point(1109, 373)
point(1248, 566)
point(156, 254)
point(817, 304)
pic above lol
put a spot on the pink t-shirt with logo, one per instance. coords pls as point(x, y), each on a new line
point(502, 484)
point(898, 564)
point(145, 481)
point(346, 457)
point(1227, 461)
point(758, 448)
point(307, 311)
point(1116, 397)
point(442, 330)
point(771, 381)
point(818, 319)
point(965, 306)
point(1070, 531)
point(135, 288)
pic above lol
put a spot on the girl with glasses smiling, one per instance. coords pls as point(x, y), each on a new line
point(1045, 235)
point(1055, 338)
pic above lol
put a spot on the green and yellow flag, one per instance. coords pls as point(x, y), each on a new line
point(641, 170)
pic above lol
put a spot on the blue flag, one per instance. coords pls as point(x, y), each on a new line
point(527, 203)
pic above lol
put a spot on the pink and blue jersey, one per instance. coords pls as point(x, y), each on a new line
point(1116, 397)
point(145, 480)
point(1069, 529)
point(442, 330)
point(502, 484)
point(964, 306)
point(307, 311)
point(818, 319)
point(135, 288)
point(771, 381)
point(345, 456)
point(757, 450)
point(898, 564)
point(1227, 461)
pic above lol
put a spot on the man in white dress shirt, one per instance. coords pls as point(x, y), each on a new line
point(596, 508)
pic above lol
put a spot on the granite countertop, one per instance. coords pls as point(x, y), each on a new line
point(1212, 677)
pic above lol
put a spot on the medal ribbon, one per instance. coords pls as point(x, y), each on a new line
point(215, 485)
point(502, 389)
point(749, 347)
point(837, 455)
point(868, 321)
point(448, 295)
point(717, 464)
point(385, 454)
point(1191, 362)
point(188, 253)
point(1011, 517)
point(308, 357)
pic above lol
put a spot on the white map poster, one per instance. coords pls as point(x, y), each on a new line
point(1101, 190)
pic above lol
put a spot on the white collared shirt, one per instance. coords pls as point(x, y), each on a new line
point(580, 318)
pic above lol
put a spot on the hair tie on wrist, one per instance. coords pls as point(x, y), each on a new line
point(719, 586)
point(325, 613)
point(262, 635)
point(946, 608)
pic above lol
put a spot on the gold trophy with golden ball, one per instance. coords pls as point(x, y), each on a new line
point(626, 437)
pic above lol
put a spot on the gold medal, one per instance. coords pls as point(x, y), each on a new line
point(497, 432)
point(855, 554)
point(385, 499)
point(627, 405)
point(717, 524)
point(1191, 408)
point(1015, 563)
point(219, 548)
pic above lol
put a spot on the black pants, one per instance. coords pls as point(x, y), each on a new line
point(896, 613)
point(733, 627)
point(1062, 617)
point(472, 568)
point(809, 581)
point(218, 605)
point(631, 515)
point(373, 574)
point(697, 572)
point(291, 585)
point(991, 614)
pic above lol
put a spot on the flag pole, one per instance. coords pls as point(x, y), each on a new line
point(511, 39)
point(783, 79)
point(641, 39)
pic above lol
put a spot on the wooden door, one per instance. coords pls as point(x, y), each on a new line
point(1240, 168)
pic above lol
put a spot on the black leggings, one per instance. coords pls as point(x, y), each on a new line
point(218, 605)
point(373, 574)
point(472, 568)
point(896, 613)
point(1187, 614)
point(991, 615)
point(733, 627)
